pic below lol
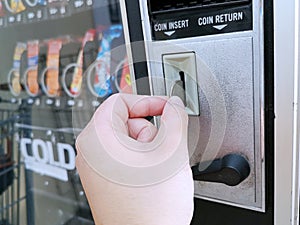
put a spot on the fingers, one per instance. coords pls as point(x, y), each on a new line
point(174, 117)
point(142, 106)
point(119, 140)
point(141, 129)
point(117, 109)
point(118, 113)
point(135, 105)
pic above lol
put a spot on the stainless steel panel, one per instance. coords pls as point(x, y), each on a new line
point(227, 112)
point(231, 93)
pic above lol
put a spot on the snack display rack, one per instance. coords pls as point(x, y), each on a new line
point(12, 170)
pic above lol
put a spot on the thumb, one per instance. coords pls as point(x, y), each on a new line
point(141, 129)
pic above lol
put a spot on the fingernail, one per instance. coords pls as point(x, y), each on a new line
point(176, 100)
point(146, 135)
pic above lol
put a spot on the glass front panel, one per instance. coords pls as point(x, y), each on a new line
point(59, 60)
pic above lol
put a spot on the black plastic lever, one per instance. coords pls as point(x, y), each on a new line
point(231, 170)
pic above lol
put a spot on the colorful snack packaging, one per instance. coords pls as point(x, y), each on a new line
point(2, 14)
point(77, 75)
point(125, 82)
point(102, 84)
point(15, 6)
point(32, 74)
point(42, 2)
point(15, 80)
point(52, 76)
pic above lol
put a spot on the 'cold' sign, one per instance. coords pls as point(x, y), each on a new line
point(42, 157)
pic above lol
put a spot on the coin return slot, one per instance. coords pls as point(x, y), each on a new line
point(181, 79)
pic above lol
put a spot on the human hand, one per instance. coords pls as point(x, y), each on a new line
point(133, 174)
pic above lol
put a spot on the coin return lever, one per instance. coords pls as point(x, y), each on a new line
point(231, 170)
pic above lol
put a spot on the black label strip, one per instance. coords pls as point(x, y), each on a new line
point(201, 22)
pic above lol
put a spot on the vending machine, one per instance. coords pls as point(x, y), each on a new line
point(234, 64)
point(59, 60)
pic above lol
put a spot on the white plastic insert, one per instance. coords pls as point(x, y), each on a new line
point(180, 75)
